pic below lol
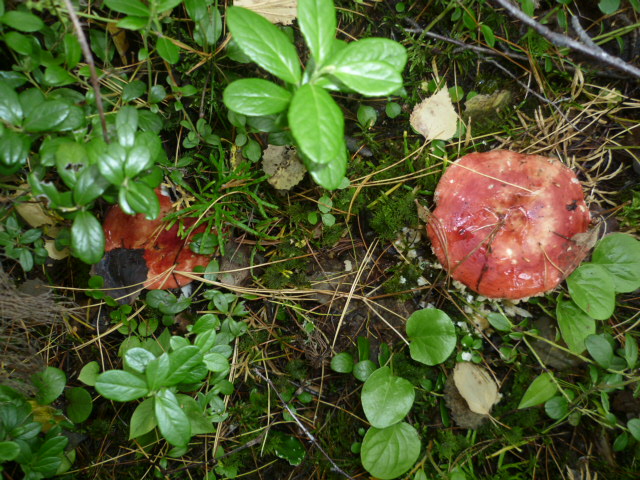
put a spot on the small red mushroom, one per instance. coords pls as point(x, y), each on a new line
point(504, 223)
point(128, 237)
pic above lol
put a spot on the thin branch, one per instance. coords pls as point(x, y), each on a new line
point(306, 431)
point(92, 67)
point(592, 50)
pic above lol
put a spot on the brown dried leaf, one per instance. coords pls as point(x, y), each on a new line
point(276, 11)
point(283, 167)
point(476, 386)
point(434, 117)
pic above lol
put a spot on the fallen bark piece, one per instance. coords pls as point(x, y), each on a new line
point(505, 222)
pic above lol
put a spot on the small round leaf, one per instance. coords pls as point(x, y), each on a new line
point(389, 452)
point(432, 335)
point(386, 399)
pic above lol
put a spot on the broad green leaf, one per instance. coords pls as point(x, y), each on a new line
point(389, 452)
point(14, 151)
point(634, 427)
point(89, 373)
point(138, 159)
point(121, 386)
point(87, 238)
point(22, 21)
point(183, 363)
point(79, 404)
point(143, 419)
point(619, 254)
point(71, 158)
point(168, 50)
point(631, 351)
point(167, 302)
point(609, 7)
point(369, 78)
point(173, 423)
point(288, 448)
point(10, 107)
point(592, 288)
point(164, 5)
point(133, 23)
point(557, 407)
point(72, 50)
point(264, 43)
point(371, 50)
point(90, 185)
point(386, 399)
point(128, 7)
point(205, 340)
point(364, 369)
point(133, 90)
point(157, 372)
point(126, 126)
point(317, 124)
point(342, 363)
point(8, 451)
point(216, 362)
point(432, 336)
point(575, 325)
point(110, 160)
point(49, 116)
point(57, 76)
point(600, 349)
point(138, 358)
point(540, 390)
point(317, 21)
point(198, 420)
point(254, 96)
point(489, 36)
point(50, 384)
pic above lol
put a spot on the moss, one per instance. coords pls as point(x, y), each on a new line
point(298, 369)
point(404, 277)
point(390, 215)
point(287, 273)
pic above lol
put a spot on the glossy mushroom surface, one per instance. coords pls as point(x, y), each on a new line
point(132, 243)
point(504, 222)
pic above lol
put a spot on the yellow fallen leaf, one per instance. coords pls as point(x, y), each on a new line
point(283, 167)
point(434, 117)
point(476, 386)
point(276, 11)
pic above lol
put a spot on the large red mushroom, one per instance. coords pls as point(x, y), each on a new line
point(504, 223)
point(146, 251)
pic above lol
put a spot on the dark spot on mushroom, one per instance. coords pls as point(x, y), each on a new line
point(572, 206)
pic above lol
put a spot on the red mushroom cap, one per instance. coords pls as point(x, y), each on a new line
point(504, 223)
point(163, 249)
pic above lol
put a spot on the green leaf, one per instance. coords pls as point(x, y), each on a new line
point(592, 288)
point(79, 404)
point(389, 452)
point(90, 185)
point(173, 423)
point(168, 50)
point(71, 158)
point(126, 126)
point(364, 369)
point(317, 21)
point(121, 386)
point(369, 78)
point(631, 351)
point(372, 50)
point(87, 238)
point(138, 358)
point(619, 254)
point(264, 43)
point(500, 322)
point(600, 349)
point(432, 335)
point(133, 23)
point(164, 5)
point(540, 390)
point(609, 7)
point(634, 427)
point(72, 50)
point(575, 325)
point(143, 419)
point(167, 302)
point(141, 199)
point(489, 36)
point(128, 7)
point(50, 384)
point(14, 151)
point(10, 107)
point(216, 362)
point(89, 373)
point(183, 363)
point(8, 451)
point(22, 21)
point(57, 76)
point(49, 116)
point(157, 372)
point(386, 399)
point(557, 407)
point(342, 363)
point(254, 96)
point(198, 420)
point(317, 124)
point(110, 160)
point(133, 90)
point(329, 175)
